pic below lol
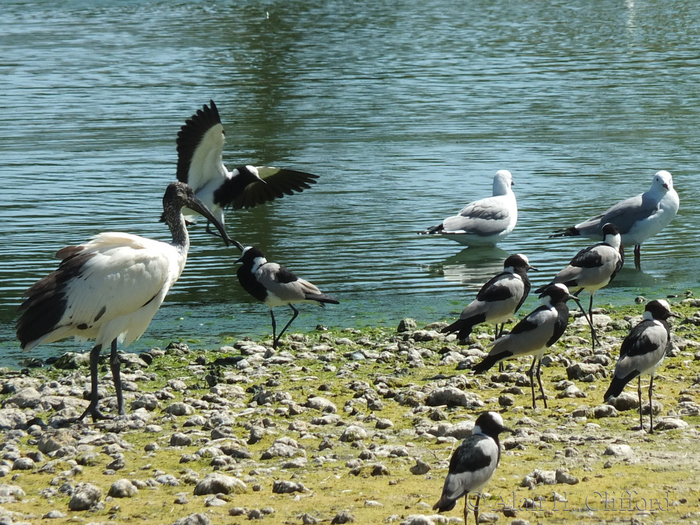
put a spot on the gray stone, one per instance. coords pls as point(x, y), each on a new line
point(123, 488)
point(619, 451)
point(194, 519)
point(322, 404)
point(148, 401)
point(26, 398)
point(85, 497)
point(179, 409)
point(407, 325)
point(453, 397)
point(219, 484)
point(420, 468)
point(581, 371)
point(604, 411)
point(23, 464)
point(287, 487)
point(178, 439)
point(353, 433)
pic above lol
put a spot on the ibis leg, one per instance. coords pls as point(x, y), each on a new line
point(294, 316)
point(115, 367)
point(637, 257)
point(92, 409)
point(466, 508)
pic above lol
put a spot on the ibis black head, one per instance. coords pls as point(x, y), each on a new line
point(179, 195)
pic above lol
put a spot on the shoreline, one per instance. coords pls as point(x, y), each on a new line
point(351, 424)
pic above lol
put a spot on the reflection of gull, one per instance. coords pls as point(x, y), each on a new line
point(471, 266)
point(485, 221)
point(638, 218)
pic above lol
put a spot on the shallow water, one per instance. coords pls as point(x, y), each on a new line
point(405, 110)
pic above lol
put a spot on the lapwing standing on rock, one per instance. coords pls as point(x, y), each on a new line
point(473, 464)
point(109, 289)
point(533, 335)
point(200, 145)
point(275, 285)
point(498, 299)
point(593, 268)
point(486, 221)
point(638, 218)
point(641, 353)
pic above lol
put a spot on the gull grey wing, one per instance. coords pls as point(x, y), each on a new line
point(623, 215)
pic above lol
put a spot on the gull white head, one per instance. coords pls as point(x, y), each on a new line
point(502, 182)
point(662, 181)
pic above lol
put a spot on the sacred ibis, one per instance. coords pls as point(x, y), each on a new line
point(109, 289)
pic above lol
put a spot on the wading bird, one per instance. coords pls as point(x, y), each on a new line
point(593, 268)
point(533, 335)
point(638, 218)
point(641, 353)
point(200, 146)
point(275, 285)
point(498, 299)
point(109, 289)
point(473, 464)
point(486, 221)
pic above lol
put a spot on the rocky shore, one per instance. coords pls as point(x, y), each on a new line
point(343, 426)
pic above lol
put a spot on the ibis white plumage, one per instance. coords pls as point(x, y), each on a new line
point(200, 146)
point(638, 218)
point(109, 289)
point(275, 285)
point(641, 353)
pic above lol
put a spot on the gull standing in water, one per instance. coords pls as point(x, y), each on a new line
point(638, 218)
point(486, 221)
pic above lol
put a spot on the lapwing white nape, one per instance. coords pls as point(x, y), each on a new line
point(109, 289)
point(533, 335)
point(473, 464)
point(638, 218)
point(483, 222)
point(641, 353)
point(275, 285)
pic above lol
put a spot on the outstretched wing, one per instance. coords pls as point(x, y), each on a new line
point(278, 182)
point(200, 146)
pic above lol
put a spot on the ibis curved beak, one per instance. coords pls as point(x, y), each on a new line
point(197, 205)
